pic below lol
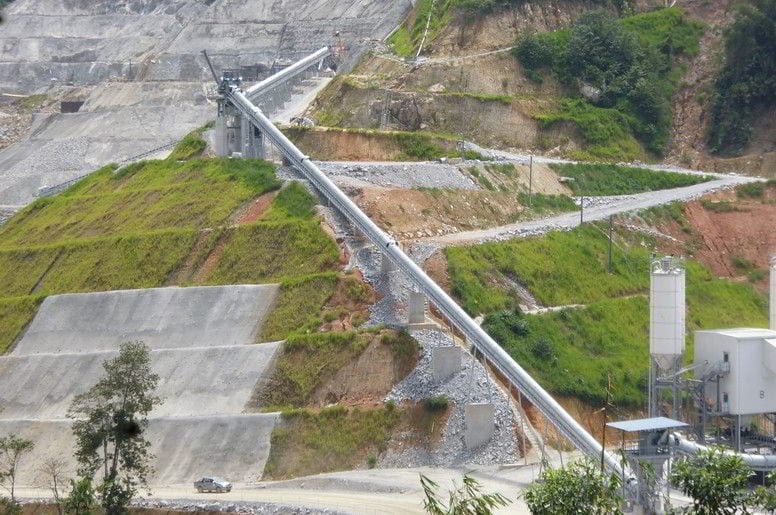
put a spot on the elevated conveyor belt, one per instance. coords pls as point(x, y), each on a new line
point(286, 74)
point(507, 366)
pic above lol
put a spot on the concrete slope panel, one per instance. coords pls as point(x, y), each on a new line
point(160, 317)
point(235, 447)
point(200, 381)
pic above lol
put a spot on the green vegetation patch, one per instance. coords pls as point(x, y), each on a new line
point(307, 362)
point(298, 304)
point(559, 268)
point(629, 72)
point(432, 13)
point(145, 197)
point(15, 314)
point(606, 130)
point(573, 351)
point(570, 352)
point(22, 268)
point(293, 201)
point(268, 251)
point(746, 84)
point(191, 146)
point(541, 203)
point(336, 438)
point(126, 262)
point(610, 179)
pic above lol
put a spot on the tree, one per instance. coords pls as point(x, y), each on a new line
point(717, 482)
point(12, 448)
point(53, 469)
point(466, 500)
point(110, 420)
point(81, 500)
point(578, 488)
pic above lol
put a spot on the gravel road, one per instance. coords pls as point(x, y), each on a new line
point(598, 209)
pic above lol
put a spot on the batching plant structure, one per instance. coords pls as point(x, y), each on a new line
point(666, 332)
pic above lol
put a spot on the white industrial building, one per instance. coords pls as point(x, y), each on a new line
point(745, 362)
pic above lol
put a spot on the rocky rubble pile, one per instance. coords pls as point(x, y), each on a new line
point(400, 175)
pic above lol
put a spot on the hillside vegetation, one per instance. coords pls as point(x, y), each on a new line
point(747, 83)
point(146, 224)
point(572, 351)
point(621, 76)
point(609, 179)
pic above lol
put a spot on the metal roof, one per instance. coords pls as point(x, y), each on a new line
point(646, 424)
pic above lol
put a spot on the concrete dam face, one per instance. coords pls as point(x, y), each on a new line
point(201, 342)
point(137, 67)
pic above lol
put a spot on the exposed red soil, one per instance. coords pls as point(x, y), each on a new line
point(255, 209)
point(748, 232)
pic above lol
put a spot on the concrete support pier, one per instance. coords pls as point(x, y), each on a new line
point(445, 362)
point(416, 308)
point(387, 265)
point(480, 423)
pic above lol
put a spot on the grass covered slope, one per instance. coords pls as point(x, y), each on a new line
point(610, 179)
point(142, 225)
point(621, 76)
point(572, 351)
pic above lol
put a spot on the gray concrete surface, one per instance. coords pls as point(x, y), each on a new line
point(185, 448)
point(160, 317)
point(445, 361)
point(416, 307)
point(138, 67)
point(201, 349)
point(192, 381)
point(480, 424)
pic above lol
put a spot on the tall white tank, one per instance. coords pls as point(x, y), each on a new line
point(666, 308)
point(772, 298)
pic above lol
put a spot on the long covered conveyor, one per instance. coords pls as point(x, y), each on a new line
point(490, 349)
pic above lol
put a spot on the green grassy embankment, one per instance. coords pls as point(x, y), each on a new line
point(572, 351)
point(335, 438)
point(136, 227)
point(344, 437)
point(609, 179)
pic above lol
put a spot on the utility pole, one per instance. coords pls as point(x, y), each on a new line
point(530, 180)
point(611, 222)
point(581, 204)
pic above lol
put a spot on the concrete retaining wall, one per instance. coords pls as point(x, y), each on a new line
point(193, 381)
point(185, 448)
point(160, 317)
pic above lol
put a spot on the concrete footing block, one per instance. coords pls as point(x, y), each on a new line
point(387, 265)
point(480, 419)
point(445, 361)
point(416, 308)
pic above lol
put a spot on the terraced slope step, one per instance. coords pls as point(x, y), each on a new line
point(185, 448)
point(162, 318)
point(192, 381)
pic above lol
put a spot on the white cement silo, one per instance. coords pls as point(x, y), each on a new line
point(667, 308)
point(666, 326)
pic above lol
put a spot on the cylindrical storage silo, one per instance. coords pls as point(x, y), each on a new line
point(667, 308)
point(772, 298)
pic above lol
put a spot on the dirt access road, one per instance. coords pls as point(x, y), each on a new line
point(601, 208)
point(377, 491)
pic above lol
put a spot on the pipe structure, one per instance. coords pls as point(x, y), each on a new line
point(287, 73)
point(502, 361)
point(759, 462)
